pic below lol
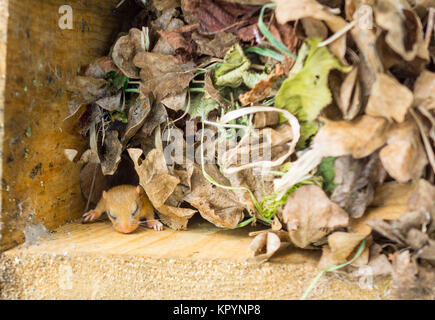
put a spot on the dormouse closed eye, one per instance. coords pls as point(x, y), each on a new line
point(135, 211)
point(110, 216)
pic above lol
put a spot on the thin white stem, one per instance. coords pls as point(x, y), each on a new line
point(338, 34)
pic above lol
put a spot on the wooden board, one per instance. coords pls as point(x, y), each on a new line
point(39, 185)
point(95, 262)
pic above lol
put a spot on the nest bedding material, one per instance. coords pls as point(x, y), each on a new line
point(340, 93)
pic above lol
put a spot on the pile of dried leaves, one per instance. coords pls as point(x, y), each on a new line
point(344, 90)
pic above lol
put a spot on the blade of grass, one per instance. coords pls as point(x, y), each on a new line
point(269, 36)
point(332, 268)
point(265, 52)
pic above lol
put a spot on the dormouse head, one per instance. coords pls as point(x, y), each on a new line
point(123, 207)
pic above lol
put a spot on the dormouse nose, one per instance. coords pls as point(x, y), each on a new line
point(125, 228)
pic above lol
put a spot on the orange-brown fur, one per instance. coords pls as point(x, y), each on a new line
point(120, 204)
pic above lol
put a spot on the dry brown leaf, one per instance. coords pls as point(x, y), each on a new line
point(409, 280)
point(162, 46)
point(264, 246)
point(216, 46)
point(110, 103)
point(175, 102)
point(125, 50)
point(100, 68)
point(312, 28)
point(356, 181)
point(422, 200)
point(389, 99)
point(342, 244)
point(86, 90)
point(159, 185)
point(112, 153)
point(403, 26)
point(424, 90)
point(393, 194)
point(137, 113)
point(216, 16)
point(404, 157)
point(217, 205)
point(101, 181)
point(358, 138)
point(166, 4)
point(210, 89)
point(310, 215)
point(180, 40)
point(350, 96)
point(163, 75)
point(392, 200)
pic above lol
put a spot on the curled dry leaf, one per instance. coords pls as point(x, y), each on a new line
point(356, 181)
point(358, 138)
point(125, 50)
point(389, 99)
point(264, 246)
point(404, 157)
point(137, 114)
point(110, 103)
point(91, 168)
point(163, 75)
point(112, 153)
point(404, 29)
point(349, 101)
point(162, 46)
point(217, 205)
point(159, 185)
point(424, 90)
point(100, 68)
point(86, 90)
point(210, 89)
point(180, 40)
point(310, 215)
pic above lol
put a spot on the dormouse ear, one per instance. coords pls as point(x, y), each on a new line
point(104, 195)
point(139, 190)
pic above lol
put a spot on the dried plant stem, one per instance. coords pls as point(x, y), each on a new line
point(430, 27)
point(429, 151)
point(338, 34)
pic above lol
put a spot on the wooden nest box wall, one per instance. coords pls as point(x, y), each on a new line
point(38, 59)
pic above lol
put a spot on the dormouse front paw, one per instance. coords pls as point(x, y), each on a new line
point(154, 224)
point(90, 216)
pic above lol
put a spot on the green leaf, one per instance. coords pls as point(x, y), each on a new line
point(308, 129)
point(235, 64)
point(201, 106)
point(326, 170)
point(251, 78)
point(306, 93)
